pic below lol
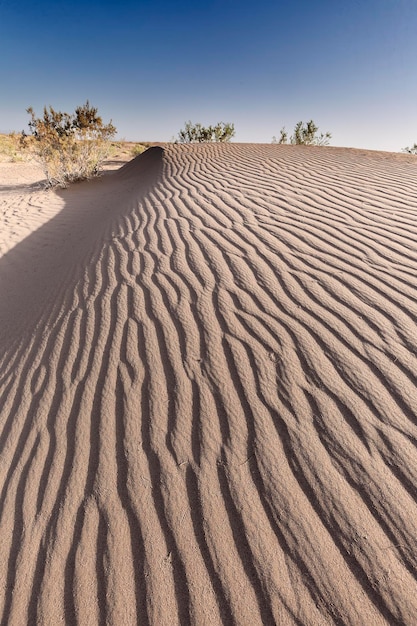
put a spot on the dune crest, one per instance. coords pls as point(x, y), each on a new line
point(208, 408)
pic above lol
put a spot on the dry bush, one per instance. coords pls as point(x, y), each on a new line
point(139, 148)
point(11, 148)
point(70, 147)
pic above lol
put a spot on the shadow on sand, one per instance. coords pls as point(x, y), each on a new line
point(40, 272)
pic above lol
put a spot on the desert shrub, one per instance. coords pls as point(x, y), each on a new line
point(11, 148)
point(70, 147)
point(196, 133)
point(139, 148)
point(412, 150)
point(305, 134)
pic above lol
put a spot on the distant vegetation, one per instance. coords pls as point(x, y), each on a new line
point(196, 133)
point(305, 134)
point(10, 147)
point(70, 147)
point(139, 148)
point(412, 150)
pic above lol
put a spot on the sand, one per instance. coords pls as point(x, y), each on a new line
point(208, 406)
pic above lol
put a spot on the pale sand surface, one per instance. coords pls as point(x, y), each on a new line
point(208, 406)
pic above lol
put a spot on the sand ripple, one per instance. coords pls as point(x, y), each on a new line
point(208, 394)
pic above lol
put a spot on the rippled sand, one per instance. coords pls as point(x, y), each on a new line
point(208, 403)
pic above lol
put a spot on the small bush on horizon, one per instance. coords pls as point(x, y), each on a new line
point(196, 133)
point(412, 150)
point(139, 148)
point(70, 147)
point(305, 134)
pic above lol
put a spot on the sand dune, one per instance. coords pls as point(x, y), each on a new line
point(208, 406)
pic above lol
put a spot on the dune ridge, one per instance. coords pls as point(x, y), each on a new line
point(208, 408)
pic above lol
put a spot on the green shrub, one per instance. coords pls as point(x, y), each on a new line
point(196, 133)
point(70, 147)
point(304, 134)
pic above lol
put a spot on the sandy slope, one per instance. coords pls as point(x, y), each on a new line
point(208, 392)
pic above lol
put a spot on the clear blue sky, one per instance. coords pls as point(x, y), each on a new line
point(150, 65)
